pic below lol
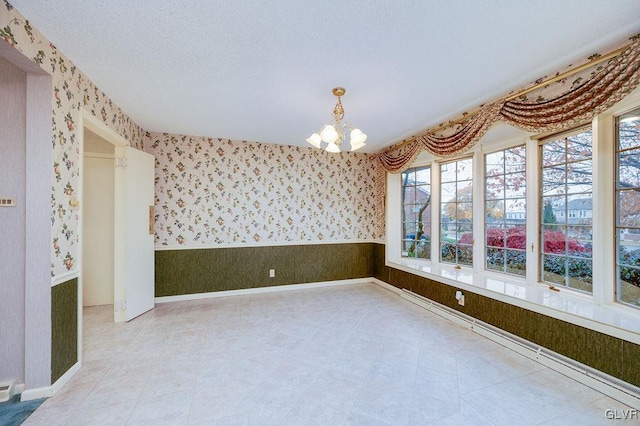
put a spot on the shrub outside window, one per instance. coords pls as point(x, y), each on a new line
point(505, 211)
point(416, 213)
point(456, 212)
point(567, 211)
point(628, 208)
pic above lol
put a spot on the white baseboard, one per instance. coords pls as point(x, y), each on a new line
point(259, 290)
point(386, 286)
point(49, 391)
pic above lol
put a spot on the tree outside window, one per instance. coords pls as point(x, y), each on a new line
point(416, 213)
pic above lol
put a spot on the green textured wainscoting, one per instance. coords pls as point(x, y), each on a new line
point(64, 328)
point(380, 270)
point(609, 354)
point(192, 271)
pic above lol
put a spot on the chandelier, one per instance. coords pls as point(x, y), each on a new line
point(334, 134)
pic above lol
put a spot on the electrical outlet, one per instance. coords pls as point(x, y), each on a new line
point(272, 273)
point(460, 297)
point(7, 202)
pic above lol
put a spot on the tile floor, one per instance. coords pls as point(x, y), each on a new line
point(352, 355)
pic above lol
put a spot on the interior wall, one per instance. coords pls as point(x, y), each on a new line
point(38, 318)
point(59, 93)
point(98, 231)
point(180, 272)
point(226, 201)
point(220, 192)
point(13, 89)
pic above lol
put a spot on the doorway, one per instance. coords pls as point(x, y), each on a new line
point(98, 221)
point(116, 223)
point(96, 281)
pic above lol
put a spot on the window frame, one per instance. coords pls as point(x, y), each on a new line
point(471, 247)
point(568, 213)
point(517, 216)
point(403, 206)
point(616, 223)
point(603, 228)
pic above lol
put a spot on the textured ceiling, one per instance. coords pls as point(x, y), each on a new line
point(263, 70)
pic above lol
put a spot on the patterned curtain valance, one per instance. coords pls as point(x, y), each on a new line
point(582, 102)
point(473, 130)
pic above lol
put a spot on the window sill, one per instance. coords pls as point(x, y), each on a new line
point(612, 319)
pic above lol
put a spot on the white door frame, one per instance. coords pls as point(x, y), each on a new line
point(95, 125)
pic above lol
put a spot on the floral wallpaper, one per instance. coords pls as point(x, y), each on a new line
point(72, 90)
point(220, 191)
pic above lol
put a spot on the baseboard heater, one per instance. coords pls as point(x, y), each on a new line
point(595, 379)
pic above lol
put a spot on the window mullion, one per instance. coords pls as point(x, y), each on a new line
point(534, 189)
point(393, 216)
point(603, 209)
point(435, 211)
point(478, 212)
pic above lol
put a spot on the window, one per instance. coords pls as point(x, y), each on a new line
point(566, 176)
point(416, 213)
point(505, 207)
point(456, 203)
point(567, 186)
point(628, 208)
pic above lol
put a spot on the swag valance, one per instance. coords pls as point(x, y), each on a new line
point(586, 98)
